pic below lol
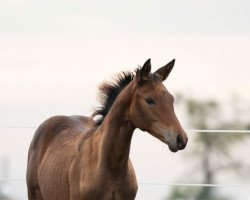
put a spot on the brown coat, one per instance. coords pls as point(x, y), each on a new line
point(77, 158)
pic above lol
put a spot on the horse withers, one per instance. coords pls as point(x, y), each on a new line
point(79, 158)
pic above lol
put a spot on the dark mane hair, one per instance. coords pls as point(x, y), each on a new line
point(108, 92)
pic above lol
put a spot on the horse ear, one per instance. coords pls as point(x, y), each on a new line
point(165, 70)
point(142, 74)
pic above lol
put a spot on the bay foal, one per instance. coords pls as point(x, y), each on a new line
point(77, 158)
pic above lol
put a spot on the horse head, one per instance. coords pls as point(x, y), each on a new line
point(152, 107)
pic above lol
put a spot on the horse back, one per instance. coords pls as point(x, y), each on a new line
point(55, 128)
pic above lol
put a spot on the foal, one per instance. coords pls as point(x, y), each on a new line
point(77, 158)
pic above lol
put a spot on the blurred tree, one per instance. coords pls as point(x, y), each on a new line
point(213, 148)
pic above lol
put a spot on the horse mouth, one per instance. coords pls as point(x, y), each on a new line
point(175, 146)
point(167, 138)
point(174, 150)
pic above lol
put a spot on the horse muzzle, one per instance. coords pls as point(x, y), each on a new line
point(175, 141)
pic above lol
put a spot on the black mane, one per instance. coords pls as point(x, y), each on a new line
point(108, 92)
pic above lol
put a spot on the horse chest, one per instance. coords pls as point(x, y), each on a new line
point(109, 191)
point(93, 185)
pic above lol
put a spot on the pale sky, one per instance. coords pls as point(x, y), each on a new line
point(53, 55)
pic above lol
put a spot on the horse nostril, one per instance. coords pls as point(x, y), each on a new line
point(179, 141)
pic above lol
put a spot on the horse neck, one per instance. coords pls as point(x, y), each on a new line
point(117, 131)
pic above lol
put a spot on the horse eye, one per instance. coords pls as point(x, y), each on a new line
point(149, 101)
